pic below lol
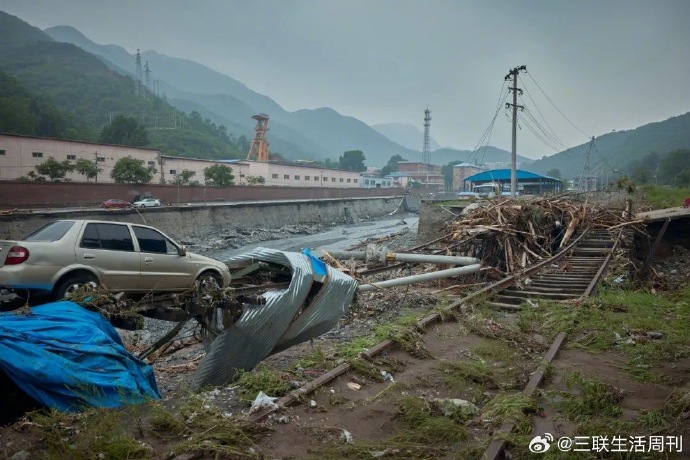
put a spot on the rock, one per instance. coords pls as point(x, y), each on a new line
point(456, 407)
point(21, 455)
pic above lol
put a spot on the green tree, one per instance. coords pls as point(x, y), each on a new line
point(124, 131)
point(183, 177)
point(243, 144)
point(353, 160)
point(640, 175)
point(54, 170)
point(392, 165)
point(675, 167)
point(219, 175)
point(554, 172)
point(256, 180)
point(87, 168)
point(447, 171)
point(130, 170)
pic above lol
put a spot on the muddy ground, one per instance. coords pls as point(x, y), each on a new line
point(623, 371)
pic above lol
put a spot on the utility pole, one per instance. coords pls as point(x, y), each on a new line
point(585, 168)
point(513, 74)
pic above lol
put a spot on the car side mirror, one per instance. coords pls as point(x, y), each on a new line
point(182, 251)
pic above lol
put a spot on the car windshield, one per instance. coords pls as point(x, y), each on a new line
point(52, 231)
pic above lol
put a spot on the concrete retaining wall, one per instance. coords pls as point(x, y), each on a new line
point(198, 220)
point(62, 194)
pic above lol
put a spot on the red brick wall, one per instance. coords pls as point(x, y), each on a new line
point(55, 194)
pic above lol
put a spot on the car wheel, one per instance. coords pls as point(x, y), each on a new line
point(209, 281)
point(73, 283)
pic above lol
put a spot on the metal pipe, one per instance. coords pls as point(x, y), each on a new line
point(413, 258)
point(434, 259)
point(420, 278)
point(360, 255)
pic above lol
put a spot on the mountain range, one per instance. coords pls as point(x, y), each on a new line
point(98, 80)
point(308, 133)
point(612, 152)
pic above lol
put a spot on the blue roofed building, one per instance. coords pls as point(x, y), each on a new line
point(529, 183)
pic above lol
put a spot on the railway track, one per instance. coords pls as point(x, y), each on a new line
point(570, 274)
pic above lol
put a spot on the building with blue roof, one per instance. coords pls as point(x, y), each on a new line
point(529, 183)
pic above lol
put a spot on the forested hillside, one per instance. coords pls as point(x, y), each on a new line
point(619, 152)
point(69, 85)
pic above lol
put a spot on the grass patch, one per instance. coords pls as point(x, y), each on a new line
point(664, 197)
point(678, 403)
point(212, 433)
point(163, 422)
point(425, 434)
point(594, 399)
point(86, 435)
point(424, 424)
point(355, 347)
point(513, 408)
point(272, 382)
point(596, 326)
point(494, 350)
point(317, 359)
point(475, 377)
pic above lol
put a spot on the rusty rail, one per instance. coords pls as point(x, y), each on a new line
point(297, 394)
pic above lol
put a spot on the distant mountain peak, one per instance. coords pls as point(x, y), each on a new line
point(15, 31)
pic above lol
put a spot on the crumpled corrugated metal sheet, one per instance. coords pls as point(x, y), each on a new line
point(284, 320)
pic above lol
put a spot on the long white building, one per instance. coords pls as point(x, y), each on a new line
point(21, 154)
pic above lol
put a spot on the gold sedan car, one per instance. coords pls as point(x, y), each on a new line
point(66, 254)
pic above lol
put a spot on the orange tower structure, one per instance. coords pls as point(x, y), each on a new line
point(259, 144)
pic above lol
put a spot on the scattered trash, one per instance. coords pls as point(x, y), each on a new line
point(655, 335)
point(387, 376)
point(619, 279)
point(459, 408)
point(312, 403)
point(346, 437)
point(263, 400)
point(353, 386)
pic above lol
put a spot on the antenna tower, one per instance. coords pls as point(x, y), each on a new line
point(138, 75)
point(147, 71)
point(259, 143)
point(427, 142)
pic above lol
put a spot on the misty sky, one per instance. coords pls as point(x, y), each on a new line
point(606, 64)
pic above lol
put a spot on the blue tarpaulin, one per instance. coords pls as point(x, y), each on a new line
point(69, 358)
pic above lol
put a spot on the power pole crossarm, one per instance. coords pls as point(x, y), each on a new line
point(513, 75)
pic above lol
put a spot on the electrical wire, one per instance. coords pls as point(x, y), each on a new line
point(525, 121)
point(556, 107)
point(534, 103)
point(487, 132)
point(548, 135)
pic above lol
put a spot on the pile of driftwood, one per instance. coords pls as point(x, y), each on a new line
point(509, 235)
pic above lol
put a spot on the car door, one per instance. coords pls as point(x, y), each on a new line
point(109, 248)
point(162, 267)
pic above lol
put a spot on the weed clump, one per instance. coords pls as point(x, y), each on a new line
point(595, 398)
point(425, 424)
point(504, 408)
point(272, 382)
